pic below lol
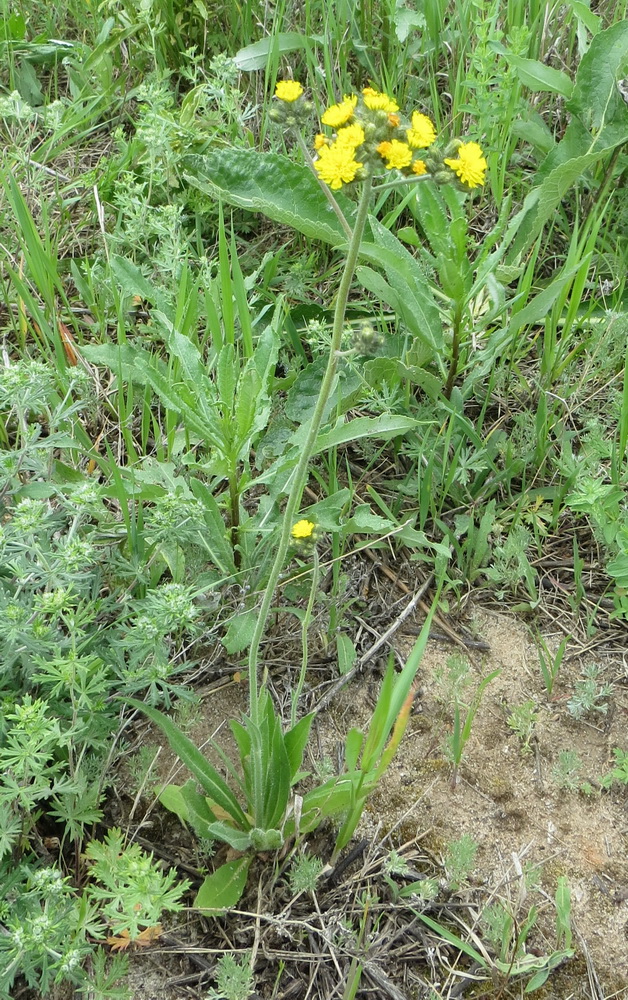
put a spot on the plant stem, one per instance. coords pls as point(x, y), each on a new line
point(296, 694)
point(301, 470)
point(455, 350)
point(234, 504)
point(326, 190)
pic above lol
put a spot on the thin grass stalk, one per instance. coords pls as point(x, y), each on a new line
point(300, 473)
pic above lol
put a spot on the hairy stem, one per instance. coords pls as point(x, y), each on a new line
point(300, 473)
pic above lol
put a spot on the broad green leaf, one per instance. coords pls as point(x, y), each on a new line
point(353, 746)
point(240, 631)
point(563, 913)
point(388, 425)
point(553, 961)
point(199, 809)
point(534, 130)
point(134, 282)
point(596, 100)
point(255, 56)
point(304, 391)
point(215, 540)
point(415, 301)
point(171, 798)
point(347, 655)
point(188, 753)
point(392, 371)
point(120, 358)
point(296, 741)
point(191, 807)
point(364, 521)
point(227, 371)
point(334, 797)
point(272, 184)
point(593, 22)
point(223, 889)
point(328, 512)
point(196, 416)
point(193, 369)
point(538, 77)
point(599, 124)
point(537, 309)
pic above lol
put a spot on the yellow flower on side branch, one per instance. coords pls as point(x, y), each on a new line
point(350, 135)
point(288, 90)
point(340, 114)
point(422, 133)
point(374, 100)
point(302, 529)
point(397, 154)
point(336, 165)
point(470, 164)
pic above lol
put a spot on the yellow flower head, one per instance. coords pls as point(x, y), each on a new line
point(374, 100)
point(470, 165)
point(337, 165)
point(302, 529)
point(422, 133)
point(350, 135)
point(288, 90)
point(394, 120)
point(397, 154)
point(320, 140)
point(419, 167)
point(340, 114)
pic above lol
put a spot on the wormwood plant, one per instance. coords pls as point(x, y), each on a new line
point(368, 138)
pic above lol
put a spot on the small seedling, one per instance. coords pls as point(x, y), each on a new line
point(522, 720)
point(234, 979)
point(567, 770)
point(305, 873)
point(459, 736)
point(550, 664)
point(620, 771)
point(589, 694)
point(460, 859)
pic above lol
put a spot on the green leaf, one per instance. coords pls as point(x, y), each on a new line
point(595, 99)
point(414, 299)
point(215, 540)
point(191, 807)
point(599, 124)
point(272, 184)
point(210, 780)
point(134, 282)
point(295, 742)
point(195, 412)
point(563, 913)
point(445, 933)
point(592, 22)
point(538, 307)
point(353, 746)
point(538, 77)
point(387, 426)
point(223, 889)
point(227, 370)
point(347, 654)
point(240, 631)
point(364, 521)
point(328, 512)
point(255, 56)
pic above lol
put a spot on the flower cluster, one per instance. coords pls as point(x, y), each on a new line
point(371, 135)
